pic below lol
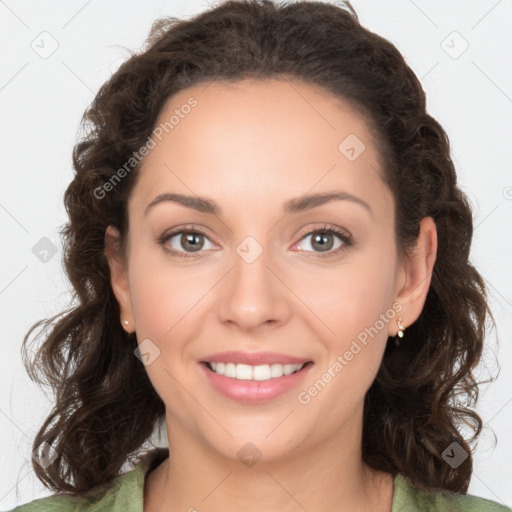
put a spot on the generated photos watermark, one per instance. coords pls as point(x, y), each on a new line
point(357, 345)
point(137, 156)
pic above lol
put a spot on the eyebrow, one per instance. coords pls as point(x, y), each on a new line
point(299, 204)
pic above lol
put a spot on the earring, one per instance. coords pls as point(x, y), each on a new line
point(401, 328)
point(125, 322)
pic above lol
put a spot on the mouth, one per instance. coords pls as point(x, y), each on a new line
point(253, 384)
point(263, 372)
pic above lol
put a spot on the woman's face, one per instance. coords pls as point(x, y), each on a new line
point(266, 275)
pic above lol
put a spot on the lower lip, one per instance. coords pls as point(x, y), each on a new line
point(255, 391)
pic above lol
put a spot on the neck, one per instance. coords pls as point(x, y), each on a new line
point(328, 477)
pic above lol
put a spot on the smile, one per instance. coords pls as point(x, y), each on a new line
point(248, 372)
point(253, 384)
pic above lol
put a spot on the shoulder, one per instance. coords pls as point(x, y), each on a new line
point(53, 503)
point(406, 498)
point(124, 494)
point(98, 502)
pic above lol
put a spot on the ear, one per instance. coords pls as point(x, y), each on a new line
point(417, 268)
point(119, 277)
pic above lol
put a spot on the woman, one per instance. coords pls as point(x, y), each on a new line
point(270, 254)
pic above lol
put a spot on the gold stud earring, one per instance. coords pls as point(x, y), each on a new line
point(401, 328)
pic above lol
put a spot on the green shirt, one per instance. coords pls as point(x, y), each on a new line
point(126, 495)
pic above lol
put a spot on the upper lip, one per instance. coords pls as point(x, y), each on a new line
point(253, 358)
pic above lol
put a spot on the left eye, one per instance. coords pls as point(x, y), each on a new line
point(323, 241)
point(322, 238)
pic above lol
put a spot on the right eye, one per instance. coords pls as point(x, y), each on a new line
point(191, 241)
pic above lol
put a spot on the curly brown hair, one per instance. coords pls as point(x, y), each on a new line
point(425, 388)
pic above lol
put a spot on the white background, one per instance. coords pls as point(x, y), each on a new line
point(41, 103)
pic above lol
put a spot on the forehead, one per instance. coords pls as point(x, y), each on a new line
point(253, 135)
point(278, 107)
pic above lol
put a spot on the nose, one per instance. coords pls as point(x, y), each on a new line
point(253, 294)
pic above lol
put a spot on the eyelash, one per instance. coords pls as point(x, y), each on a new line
point(325, 230)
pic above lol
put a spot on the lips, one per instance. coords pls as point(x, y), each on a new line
point(253, 391)
point(253, 358)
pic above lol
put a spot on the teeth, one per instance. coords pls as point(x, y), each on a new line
point(248, 372)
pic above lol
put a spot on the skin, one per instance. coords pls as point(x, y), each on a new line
point(250, 146)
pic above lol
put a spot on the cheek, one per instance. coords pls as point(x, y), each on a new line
point(163, 300)
point(163, 294)
point(349, 299)
point(355, 309)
